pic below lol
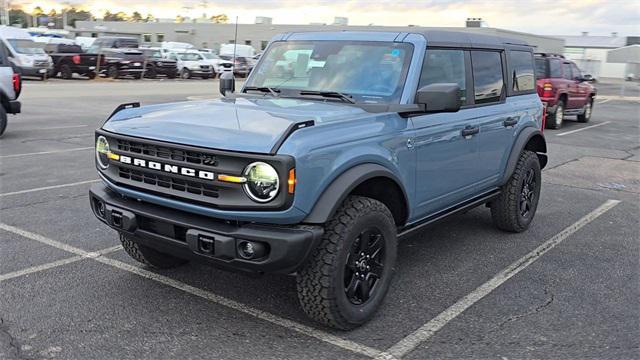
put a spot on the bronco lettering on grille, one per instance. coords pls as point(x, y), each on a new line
point(172, 169)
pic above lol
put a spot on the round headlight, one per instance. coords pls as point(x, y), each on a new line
point(262, 182)
point(102, 152)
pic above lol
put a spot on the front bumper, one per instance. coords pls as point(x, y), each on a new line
point(202, 238)
point(35, 71)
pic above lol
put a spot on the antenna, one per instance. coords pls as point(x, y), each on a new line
point(235, 44)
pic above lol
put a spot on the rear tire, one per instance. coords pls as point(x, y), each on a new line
point(586, 115)
point(514, 209)
point(147, 255)
point(555, 119)
point(91, 75)
point(66, 72)
point(113, 72)
point(151, 73)
point(185, 74)
point(346, 279)
point(3, 120)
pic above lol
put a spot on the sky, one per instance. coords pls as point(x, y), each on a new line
point(559, 17)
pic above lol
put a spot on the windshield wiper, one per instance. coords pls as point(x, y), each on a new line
point(274, 91)
point(330, 94)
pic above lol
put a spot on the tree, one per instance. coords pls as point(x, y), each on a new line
point(179, 19)
point(74, 15)
point(18, 17)
point(149, 18)
point(136, 17)
point(220, 19)
point(120, 16)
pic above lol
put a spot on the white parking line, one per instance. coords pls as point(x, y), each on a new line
point(51, 265)
point(45, 152)
point(603, 101)
point(413, 340)
point(266, 316)
point(584, 128)
point(49, 187)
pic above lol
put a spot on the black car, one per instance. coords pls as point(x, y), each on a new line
point(70, 59)
point(124, 62)
point(156, 66)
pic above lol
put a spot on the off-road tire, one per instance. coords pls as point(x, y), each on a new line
point(588, 110)
point(556, 118)
point(147, 255)
point(151, 73)
point(66, 72)
point(320, 283)
point(113, 72)
point(505, 209)
point(3, 120)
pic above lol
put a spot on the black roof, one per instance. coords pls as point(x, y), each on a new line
point(467, 39)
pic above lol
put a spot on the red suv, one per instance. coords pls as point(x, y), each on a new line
point(564, 89)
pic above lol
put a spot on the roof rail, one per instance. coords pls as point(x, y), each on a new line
point(549, 54)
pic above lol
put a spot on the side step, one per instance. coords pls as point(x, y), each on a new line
point(467, 205)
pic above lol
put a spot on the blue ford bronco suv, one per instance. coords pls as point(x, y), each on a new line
point(337, 145)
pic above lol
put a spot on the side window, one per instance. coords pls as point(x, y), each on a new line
point(577, 74)
point(555, 68)
point(487, 76)
point(444, 66)
point(521, 71)
point(566, 71)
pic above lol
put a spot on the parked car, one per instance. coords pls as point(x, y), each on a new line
point(242, 66)
point(564, 89)
point(156, 65)
point(318, 172)
point(70, 59)
point(123, 62)
point(114, 42)
point(219, 65)
point(26, 56)
point(10, 88)
point(192, 64)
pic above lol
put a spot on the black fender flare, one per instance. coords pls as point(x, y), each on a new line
point(539, 147)
point(335, 194)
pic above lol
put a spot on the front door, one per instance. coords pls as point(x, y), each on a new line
point(446, 144)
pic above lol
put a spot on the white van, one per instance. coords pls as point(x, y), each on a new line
point(26, 56)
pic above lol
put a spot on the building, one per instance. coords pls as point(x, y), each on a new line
point(210, 35)
point(590, 54)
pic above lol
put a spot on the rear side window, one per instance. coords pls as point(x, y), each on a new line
point(487, 76)
point(521, 75)
point(444, 66)
point(566, 71)
point(555, 68)
point(541, 68)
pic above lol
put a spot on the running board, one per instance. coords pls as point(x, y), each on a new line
point(410, 229)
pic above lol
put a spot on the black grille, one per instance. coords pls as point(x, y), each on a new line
point(169, 182)
point(161, 152)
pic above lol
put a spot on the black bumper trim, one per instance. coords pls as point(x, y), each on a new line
point(14, 107)
point(177, 232)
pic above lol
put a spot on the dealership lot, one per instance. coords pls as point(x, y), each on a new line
point(567, 288)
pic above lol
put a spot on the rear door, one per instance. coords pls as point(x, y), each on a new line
point(447, 160)
point(496, 117)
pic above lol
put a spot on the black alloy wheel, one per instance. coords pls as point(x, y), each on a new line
point(528, 193)
point(364, 266)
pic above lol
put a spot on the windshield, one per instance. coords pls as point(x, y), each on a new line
point(155, 54)
point(210, 56)
point(28, 47)
point(372, 72)
point(189, 56)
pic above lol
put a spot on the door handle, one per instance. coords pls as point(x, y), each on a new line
point(511, 121)
point(470, 131)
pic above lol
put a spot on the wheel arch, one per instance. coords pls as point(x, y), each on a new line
point(530, 139)
point(370, 180)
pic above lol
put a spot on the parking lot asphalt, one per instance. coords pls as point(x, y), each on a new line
point(567, 288)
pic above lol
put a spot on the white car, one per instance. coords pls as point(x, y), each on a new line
point(219, 65)
point(192, 64)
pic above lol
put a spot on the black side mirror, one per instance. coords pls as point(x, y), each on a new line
point(441, 97)
point(588, 77)
point(227, 82)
